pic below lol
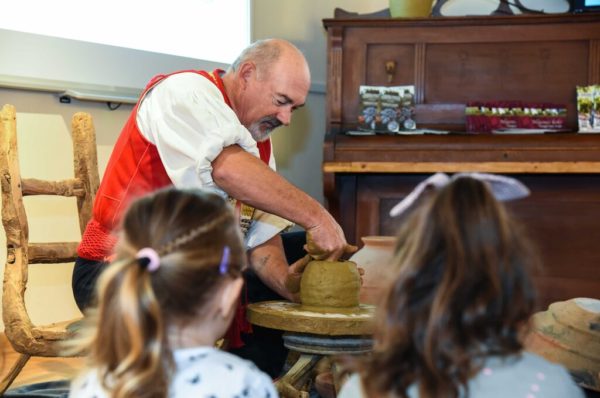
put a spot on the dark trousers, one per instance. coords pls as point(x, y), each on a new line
point(264, 347)
point(83, 281)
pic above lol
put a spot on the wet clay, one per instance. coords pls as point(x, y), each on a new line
point(330, 284)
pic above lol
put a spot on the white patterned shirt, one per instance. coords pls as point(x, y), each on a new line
point(202, 372)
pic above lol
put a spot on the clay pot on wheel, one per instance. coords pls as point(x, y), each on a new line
point(330, 284)
point(375, 258)
point(569, 333)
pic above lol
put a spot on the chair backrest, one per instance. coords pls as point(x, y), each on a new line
point(24, 336)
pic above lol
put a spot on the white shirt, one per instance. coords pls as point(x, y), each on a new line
point(200, 372)
point(185, 116)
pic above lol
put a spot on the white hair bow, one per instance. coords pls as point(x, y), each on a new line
point(502, 187)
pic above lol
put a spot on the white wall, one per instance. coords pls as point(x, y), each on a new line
point(44, 134)
point(299, 147)
point(45, 151)
point(35, 56)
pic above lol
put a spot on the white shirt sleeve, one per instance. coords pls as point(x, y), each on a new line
point(186, 118)
point(264, 227)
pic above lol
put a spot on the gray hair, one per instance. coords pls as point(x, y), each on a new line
point(263, 53)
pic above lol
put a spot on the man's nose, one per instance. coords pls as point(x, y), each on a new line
point(285, 116)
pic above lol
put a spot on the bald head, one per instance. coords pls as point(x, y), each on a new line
point(268, 52)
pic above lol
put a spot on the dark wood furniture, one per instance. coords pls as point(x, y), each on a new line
point(451, 61)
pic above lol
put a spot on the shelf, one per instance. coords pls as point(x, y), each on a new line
point(454, 167)
point(547, 153)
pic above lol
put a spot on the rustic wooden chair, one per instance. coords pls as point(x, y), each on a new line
point(25, 337)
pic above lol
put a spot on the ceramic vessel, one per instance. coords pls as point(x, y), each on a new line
point(330, 284)
point(569, 333)
point(410, 8)
point(375, 258)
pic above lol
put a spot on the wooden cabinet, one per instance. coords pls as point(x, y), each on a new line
point(452, 61)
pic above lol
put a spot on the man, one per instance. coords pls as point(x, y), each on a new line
point(211, 130)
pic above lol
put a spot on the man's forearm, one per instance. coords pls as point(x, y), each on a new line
point(248, 179)
point(269, 263)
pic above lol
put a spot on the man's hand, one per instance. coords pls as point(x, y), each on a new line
point(326, 241)
point(292, 282)
point(361, 272)
point(269, 263)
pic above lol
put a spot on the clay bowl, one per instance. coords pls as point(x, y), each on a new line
point(569, 333)
point(330, 285)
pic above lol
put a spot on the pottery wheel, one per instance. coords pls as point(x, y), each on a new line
point(293, 317)
point(327, 345)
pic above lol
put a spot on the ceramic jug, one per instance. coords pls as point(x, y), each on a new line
point(410, 8)
point(375, 258)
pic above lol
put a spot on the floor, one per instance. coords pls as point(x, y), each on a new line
point(37, 369)
point(40, 370)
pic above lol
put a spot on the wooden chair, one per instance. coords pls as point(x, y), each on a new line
point(25, 337)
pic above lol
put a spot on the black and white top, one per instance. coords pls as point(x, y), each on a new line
point(202, 372)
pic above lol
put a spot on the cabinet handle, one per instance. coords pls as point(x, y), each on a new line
point(390, 70)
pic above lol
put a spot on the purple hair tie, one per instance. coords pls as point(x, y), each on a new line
point(152, 256)
point(224, 266)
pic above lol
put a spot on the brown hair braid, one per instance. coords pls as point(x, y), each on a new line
point(189, 230)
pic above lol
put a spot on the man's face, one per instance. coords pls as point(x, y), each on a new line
point(273, 95)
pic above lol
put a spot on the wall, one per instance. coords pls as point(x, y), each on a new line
point(299, 146)
point(45, 151)
point(28, 55)
point(44, 124)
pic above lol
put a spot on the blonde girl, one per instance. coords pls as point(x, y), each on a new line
point(163, 303)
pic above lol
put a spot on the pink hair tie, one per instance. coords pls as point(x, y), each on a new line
point(152, 256)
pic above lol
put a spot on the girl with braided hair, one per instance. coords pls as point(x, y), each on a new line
point(167, 298)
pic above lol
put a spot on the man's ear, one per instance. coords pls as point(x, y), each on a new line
point(229, 297)
point(246, 71)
